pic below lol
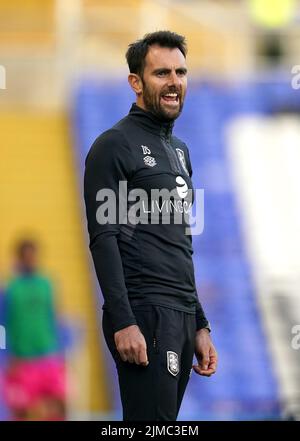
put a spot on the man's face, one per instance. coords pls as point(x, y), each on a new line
point(28, 259)
point(164, 82)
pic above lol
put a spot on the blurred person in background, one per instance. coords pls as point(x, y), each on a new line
point(153, 322)
point(34, 384)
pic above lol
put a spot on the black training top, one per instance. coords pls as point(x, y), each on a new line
point(141, 254)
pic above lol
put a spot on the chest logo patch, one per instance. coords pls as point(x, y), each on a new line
point(172, 363)
point(181, 157)
point(150, 161)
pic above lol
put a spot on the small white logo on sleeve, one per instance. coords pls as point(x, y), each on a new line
point(172, 363)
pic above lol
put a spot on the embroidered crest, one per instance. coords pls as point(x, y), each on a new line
point(149, 160)
point(181, 157)
point(172, 363)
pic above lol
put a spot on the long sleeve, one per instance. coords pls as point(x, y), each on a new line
point(201, 320)
point(109, 161)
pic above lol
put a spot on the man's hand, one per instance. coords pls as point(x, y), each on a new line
point(131, 345)
point(206, 354)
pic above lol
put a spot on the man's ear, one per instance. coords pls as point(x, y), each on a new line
point(135, 83)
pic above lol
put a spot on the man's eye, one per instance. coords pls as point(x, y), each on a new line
point(181, 73)
point(161, 74)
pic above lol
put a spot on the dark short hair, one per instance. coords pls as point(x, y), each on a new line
point(25, 244)
point(137, 51)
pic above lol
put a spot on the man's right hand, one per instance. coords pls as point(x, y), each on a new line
point(131, 345)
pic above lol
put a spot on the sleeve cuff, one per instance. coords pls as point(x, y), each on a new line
point(204, 324)
point(119, 326)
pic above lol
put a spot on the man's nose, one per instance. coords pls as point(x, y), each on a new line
point(173, 79)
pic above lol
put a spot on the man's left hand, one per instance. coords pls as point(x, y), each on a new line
point(206, 354)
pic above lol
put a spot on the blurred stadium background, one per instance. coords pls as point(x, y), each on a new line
point(63, 81)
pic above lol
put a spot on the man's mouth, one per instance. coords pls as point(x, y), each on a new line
point(171, 98)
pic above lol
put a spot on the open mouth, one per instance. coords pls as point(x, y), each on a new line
point(171, 98)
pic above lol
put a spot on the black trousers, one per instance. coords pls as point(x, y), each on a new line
point(155, 392)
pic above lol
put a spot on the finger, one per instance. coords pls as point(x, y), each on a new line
point(214, 357)
point(123, 356)
point(134, 355)
point(131, 357)
point(126, 355)
point(139, 356)
point(205, 372)
point(143, 357)
point(202, 373)
point(213, 352)
point(208, 369)
point(213, 365)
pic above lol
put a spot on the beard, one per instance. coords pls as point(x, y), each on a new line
point(152, 102)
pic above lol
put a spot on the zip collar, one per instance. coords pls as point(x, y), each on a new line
point(151, 122)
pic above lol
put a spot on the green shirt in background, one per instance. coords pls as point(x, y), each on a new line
point(30, 316)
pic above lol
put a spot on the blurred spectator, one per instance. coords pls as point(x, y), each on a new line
point(34, 385)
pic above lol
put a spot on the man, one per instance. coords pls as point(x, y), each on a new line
point(153, 322)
